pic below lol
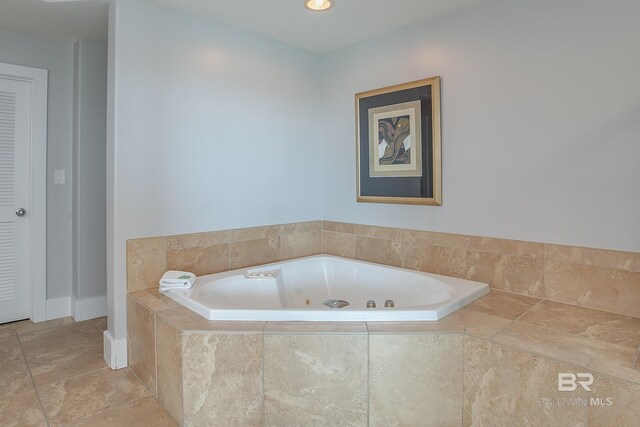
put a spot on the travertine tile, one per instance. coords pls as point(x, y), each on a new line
point(570, 348)
point(339, 227)
point(386, 233)
point(185, 320)
point(596, 257)
point(9, 345)
point(518, 248)
point(254, 233)
point(598, 325)
point(515, 274)
point(413, 236)
point(492, 313)
point(222, 380)
point(444, 326)
point(449, 240)
point(616, 368)
point(300, 227)
point(146, 262)
point(503, 304)
point(624, 409)
point(147, 244)
point(197, 240)
point(14, 374)
point(101, 323)
point(27, 326)
point(505, 387)
point(176, 318)
point(22, 410)
point(201, 260)
point(58, 339)
point(169, 368)
point(479, 324)
point(298, 245)
point(415, 380)
point(155, 302)
point(163, 299)
point(605, 289)
point(315, 328)
point(7, 329)
point(435, 259)
point(142, 412)
point(381, 251)
point(339, 244)
point(59, 363)
point(79, 397)
point(315, 380)
point(141, 352)
point(249, 253)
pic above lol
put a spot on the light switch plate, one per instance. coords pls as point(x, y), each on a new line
point(59, 176)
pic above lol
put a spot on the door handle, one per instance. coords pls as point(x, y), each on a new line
point(21, 212)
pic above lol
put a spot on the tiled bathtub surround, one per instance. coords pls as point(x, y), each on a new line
point(552, 309)
point(494, 362)
point(217, 251)
point(594, 278)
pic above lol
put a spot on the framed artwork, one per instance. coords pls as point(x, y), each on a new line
point(398, 146)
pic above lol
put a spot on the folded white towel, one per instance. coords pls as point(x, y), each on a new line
point(177, 280)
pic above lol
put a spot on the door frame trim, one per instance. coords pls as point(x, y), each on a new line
point(38, 79)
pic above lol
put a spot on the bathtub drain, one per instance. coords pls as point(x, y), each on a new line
point(336, 303)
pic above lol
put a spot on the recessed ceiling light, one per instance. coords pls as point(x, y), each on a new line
point(318, 5)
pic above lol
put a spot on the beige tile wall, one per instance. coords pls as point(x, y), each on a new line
point(154, 350)
point(415, 379)
point(315, 379)
point(595, 278)
point(216, 251)
point(346, 377)
point(222, 379)
point(385, 373)
point(141, 334)
point(168, 348)
point(503, 386)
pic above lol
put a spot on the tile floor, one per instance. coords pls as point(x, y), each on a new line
point(53, 374)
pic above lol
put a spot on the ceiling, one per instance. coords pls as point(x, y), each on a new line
point(67, 20)
point(348, 22)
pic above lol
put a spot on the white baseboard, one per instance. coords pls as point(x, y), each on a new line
point(89, 308)
point(58, 307)
point(80, 309)
point(115, 351)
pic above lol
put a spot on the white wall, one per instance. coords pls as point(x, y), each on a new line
point(215, 128)
point(89, 190)
point(540, 120)
point(210, 127)
point(57, 57)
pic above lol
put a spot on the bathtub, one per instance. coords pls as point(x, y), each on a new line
point(297, 290)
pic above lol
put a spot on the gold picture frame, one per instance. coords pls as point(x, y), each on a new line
point(398, 144)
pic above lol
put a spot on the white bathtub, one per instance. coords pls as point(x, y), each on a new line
point(299, 287)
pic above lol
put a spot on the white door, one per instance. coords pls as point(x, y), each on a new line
point(15, 142)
